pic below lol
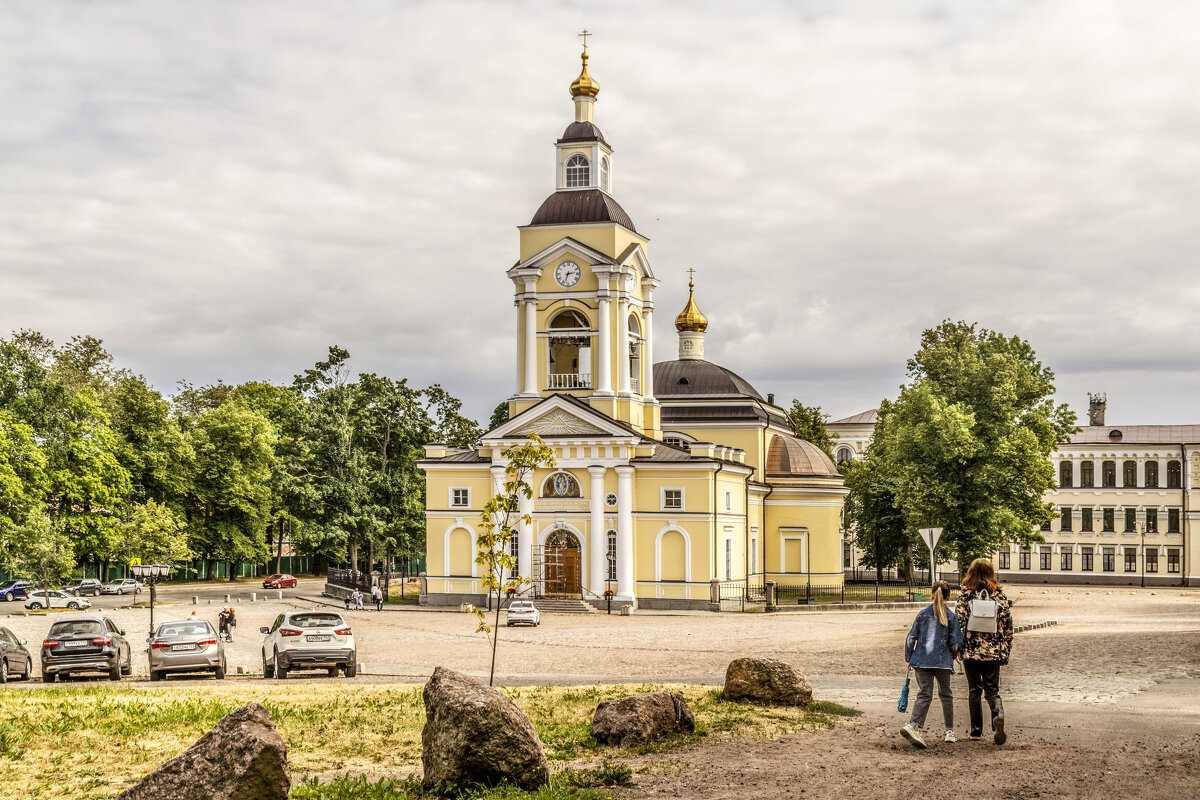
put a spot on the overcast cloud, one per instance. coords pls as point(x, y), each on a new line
point(223, 190)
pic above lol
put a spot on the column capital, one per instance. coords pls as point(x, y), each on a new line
point(597, 471)
point(624, 471)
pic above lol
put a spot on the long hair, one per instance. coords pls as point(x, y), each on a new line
point(941, 593)
point(981, 575)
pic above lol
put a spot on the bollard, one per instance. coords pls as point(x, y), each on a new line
point(195, 600)
point(626, 610)
point(241, 670)
point(253, 596)
point(237, 600)
point(226, 598)
point(279, 595)
point(210, 602)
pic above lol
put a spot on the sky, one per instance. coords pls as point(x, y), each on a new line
point(222, 190)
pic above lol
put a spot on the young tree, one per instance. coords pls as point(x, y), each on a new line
point(878, 527)
point(41, 549)
point(966, 445)
point(808, 423)
point(155, 534)
point(497, 525)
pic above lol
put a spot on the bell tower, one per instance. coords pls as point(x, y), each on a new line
point(584, 289)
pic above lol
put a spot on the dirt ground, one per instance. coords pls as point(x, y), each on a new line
point(1104, 704)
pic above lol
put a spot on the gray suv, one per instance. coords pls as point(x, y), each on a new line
point(84, 586)
point(85, 644)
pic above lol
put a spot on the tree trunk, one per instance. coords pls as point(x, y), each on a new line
point(279, 547)
point(909, 566)
point(353, 552)
point(229, 571)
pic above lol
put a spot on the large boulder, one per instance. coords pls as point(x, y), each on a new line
point(475, 735)
point(642, 718)
point(767, 680)
point(243, 758)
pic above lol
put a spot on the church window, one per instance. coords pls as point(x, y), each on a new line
point(1129, 473)
point(514, 551)
point(570, 355)
point(635, 334)
point(604, 173)
point(578, 171)
point(1174, 475)
point(560, 484)
point(1109, 474)
point(1087, 474)
point(672, 499)
point(460, 498)
point(612, 556)
point(1066, 473)
point(675, 441)
point(684, 381)
point(844, 454)
point(729, 559)
point(1152, 474)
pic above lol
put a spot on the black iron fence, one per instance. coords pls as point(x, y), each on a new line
point(874, 592)
point(356, 579)
point(747, 595)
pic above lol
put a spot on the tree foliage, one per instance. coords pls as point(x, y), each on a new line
point(809, 423)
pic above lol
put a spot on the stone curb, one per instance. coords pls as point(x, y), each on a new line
point(1035, 626)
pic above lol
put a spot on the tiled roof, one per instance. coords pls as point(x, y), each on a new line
point(1138, 434)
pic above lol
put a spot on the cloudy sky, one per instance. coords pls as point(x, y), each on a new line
point(221, 190)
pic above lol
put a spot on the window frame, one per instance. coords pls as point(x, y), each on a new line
point(1024, 559)
point(1066, 522)
point(1129, 474)
point(1108, 559)
point(1087, 474)
point(1108, 475)
point(577, 175)
point(1130, 520)
point(1174, 475)
point(1087, 522)
point(1173, 560)
point(1151, 481)
point(1064, 561)
point(1087, 562)
point(1174, 516)
point(1130, 559)
point(454, 490)
point(662, 496)
point(1151, 559)
point(1109, 519)
point(1004, 559)
point(1046, 559)
point(1066, 473)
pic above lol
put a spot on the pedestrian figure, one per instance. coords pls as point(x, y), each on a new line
point(358, 600)
point(932, 644)
point(349, 598)
point(230, 624)
point(377, 594)
point(193, 617)
point(985, 614)
point(223, 623)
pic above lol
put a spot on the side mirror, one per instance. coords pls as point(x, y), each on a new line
point(264, 630)
point(22, 641)
point(121, 631)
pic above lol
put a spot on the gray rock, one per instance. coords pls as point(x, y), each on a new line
point(243, 758)
point(476, 736)
point(642, 718)
point(766, 680)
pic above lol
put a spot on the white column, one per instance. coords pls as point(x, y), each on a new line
point(525, 539)
point(1141, 471)
point(498, 487)
point(623, 342)
point(520, 347)
point(604, 368)
point(531, 364)
point(648, 350)
point(625, 583)
point(597, 549)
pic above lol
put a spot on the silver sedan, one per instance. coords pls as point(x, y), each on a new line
point(186, 646)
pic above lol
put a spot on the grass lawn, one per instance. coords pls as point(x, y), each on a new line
point(92, 741)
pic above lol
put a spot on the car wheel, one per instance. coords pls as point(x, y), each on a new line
point(333, 672)
point(219, 673)
point(155, 675)
point(268, 669)
point(48, 677)
point(351, 670)
point(120, 591)
point(35, 606)
point(510, 624)
point(3, 670)
point(8, 597)
point(281, 671)
point(73, 605)
point(28, 669)
point(114, 672)
point(128, 668)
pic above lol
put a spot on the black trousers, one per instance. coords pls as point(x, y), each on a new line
point(983, 679)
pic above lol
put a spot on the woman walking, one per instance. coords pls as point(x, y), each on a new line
point(985, 614)
point(932, 644)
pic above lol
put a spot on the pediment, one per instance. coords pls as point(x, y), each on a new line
point(560, 416)
point(559, 423)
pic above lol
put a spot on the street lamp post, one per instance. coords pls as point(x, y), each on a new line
point(149, 574)
point(608, 594)
point(1142, 526)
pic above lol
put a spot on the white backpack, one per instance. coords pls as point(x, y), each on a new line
point(983, 614)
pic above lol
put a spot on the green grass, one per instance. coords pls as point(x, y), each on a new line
point(362, 788)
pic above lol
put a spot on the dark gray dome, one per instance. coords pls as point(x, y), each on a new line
point(696, 377)
point(582, 132)
point(581, 205)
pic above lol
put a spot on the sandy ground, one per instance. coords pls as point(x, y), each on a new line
point(1104, 704)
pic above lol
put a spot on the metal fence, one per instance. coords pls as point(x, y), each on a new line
point(355, 579)
point(747, 595)
point(874, 592)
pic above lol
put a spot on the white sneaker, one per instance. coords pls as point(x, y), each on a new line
point(950, 737)
point(913, 735)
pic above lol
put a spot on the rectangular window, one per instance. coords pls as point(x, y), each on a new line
point(1046, 525)
point(1065, 561)
point(672, 499)
point(1044, 558)
point(1085, 561)
point(513, 549)
point(1174, 475)
point(1025, 557)
point(1005, 559)
point(1108, 474)
point(1110, 560)
point(845, 557)
point(1172, 560)
point(1085, 520)
point(1151, 474)
point(1151, 520)
point(1066, 518)
point(1087, 474)
point(1129, 474)
point(1130, 520)
point(460, 498)
point(612, 556)
point(1110, 519)
point(728, 559)
point(1131, 559)
point(1152, 560)
point(754, 557)
point(1172, 520)
point(729, 501)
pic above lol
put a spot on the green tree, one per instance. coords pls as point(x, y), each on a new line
point(451, 426)
point(149, 442)
point(83, 363)
point(498, 523)
point(22, 477)
point(27, 389)
point(41, 550)
point(808, 423)
point(966, 444)
point(877, 526)
point(155, 534)
point(499, 416)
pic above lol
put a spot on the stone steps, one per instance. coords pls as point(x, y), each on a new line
point(549, 605)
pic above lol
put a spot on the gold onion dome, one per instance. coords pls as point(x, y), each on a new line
point(584, 85)
point(690, 319)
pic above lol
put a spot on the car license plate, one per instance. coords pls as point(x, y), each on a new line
point(80, 643)
point(317, 637)
point(175, 648)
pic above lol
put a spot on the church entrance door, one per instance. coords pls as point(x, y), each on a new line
point(562, 572)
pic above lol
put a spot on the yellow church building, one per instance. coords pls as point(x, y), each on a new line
point(672, 479)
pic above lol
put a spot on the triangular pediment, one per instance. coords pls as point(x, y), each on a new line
point(561, 416)
point(564, 247)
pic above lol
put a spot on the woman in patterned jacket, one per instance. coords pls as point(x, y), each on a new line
point(984, 653)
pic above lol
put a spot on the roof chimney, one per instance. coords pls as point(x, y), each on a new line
point(770, 398)
point(1096, 405)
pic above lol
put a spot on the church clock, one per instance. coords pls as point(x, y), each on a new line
point(567, 274)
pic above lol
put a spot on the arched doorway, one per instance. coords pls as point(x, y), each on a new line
point(562, 565)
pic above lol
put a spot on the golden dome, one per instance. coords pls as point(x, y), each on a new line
point(690, 319)
point(584, 85)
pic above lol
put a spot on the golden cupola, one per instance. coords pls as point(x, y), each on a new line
point(584, 86)
point(691, 324)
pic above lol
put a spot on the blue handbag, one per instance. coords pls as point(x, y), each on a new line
point(902, 705)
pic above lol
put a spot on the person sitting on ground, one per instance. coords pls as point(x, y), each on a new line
point(932, 644)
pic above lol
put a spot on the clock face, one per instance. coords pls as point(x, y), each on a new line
point(567, 274)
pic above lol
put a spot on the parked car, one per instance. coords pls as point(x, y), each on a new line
point(15, 661)
point(84, 586)
point(124, 586)
point(522, 612)
point(309, 640)
point(15, 589)
point(280, 582)
point(186, 646)
point(85, 644)
point(50, 598)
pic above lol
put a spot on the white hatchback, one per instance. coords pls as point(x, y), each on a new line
point(522, 612)
point(309, 640)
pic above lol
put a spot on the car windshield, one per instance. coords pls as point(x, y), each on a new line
point(274, 577)
point(76, 627)
point(200, 628)
point(316, 620)
point(521, 605)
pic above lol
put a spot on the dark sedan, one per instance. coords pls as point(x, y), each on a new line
point(15, 661)
point(86, 644)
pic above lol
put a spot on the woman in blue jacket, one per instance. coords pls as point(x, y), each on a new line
point(932, 645)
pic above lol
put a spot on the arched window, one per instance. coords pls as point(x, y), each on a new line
point(1152, 474)
point(843, 455)
point(570, 355)
point(1174, 475)
point(514, 551)
point(1066, 473)
point(604, 173)
point(561, 484)
point(1087, 474)
point(579, 172)
point(569, 320)
point(1129, 473)
point(635, 361)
